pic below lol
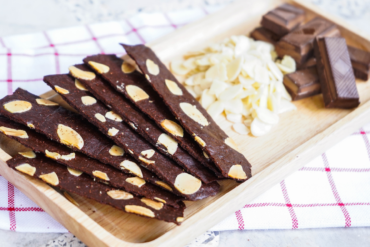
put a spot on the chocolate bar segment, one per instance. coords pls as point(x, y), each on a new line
point(143, 125)
point(337, 80)
point(283, 19)
point(192, 116)
point(58, 176)
point(360, 60)
point(302, 83)
point(122, 76)
point(178, 181)
point(55, 122)
point(264, 34)
point(299, 43)
point(78, 161)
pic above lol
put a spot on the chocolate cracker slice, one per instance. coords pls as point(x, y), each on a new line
point(49, 119)
point(140, 123)
point(360, 60)
point(337, 79)
point(192, 116)
point(95, 112)
point(80, 162)
point(59, 177)
point(122, 76)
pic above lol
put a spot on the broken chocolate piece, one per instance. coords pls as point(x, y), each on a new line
point(336, 75)
point(59, 177)
point(360, 60)
point(283, 19)
point(302, 83)
point(192, 116)
point(80, 162)
point(264, 34)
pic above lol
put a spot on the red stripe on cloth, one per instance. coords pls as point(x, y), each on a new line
point(366, 141)
point(135, 30)
point(52, 53)
point(361, 133)
point(239, 218)
point(27, 209)
point(56, 54)
point(2, 42)
point(347, 217)
point(289, 205)
point(29, 80)
point(13, 224)
point(170, 21)
point(319, 169)
point(303, 205)
point(9, 72)
point(95, 39)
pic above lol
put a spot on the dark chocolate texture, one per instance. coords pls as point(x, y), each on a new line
point(264, 34)
point(360, 60)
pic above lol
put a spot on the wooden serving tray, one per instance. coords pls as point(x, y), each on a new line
point(299, 137)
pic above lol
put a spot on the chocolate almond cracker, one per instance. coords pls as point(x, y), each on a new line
point(336, 75)
point(142, 124)
point(59, 177)
point(360, 60)
point(175, 179)
point(192, 116)
point(126, 80)
point(81, 163)
point(65, 127)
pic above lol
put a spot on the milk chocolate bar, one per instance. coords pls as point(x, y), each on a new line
point(336, 75)
point(141, 124)
point(192, 116)
point(123, 76)
point(302, 83)
point(59, 177)
point(81, 163)
point(283, 19)
point(178, 181)
point(299, 43)
point(360, 60)
point(56, 122)
point(263, 34)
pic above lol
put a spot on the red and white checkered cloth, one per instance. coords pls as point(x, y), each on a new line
point(331, 191)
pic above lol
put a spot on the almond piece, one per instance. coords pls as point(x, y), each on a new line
point(27, 169)
point(236, 171)
point(148, 78)
point(88, 100)
point(113, 116)
point(70, 156)
point(46, 102)
point(146, 161)
point(136, 181)
point(168, 142)
point(31, 126)
point(80, 86)
point(180, 219)
point(28, 154)
point(100, 68)
point(50, 178)
point(205, 155)
point(148, 153)
point(74, 172)
point(120, 195)
point(152, 67)
point(173, 87)
point(127, 68)
point(116, 151)
point(69, 136)
point(139, 210)
point(80, 74)
point(164, 185)
point(100, 117)
point(152, 204)
point(136, 93)
point(101, 175)
point(13, 132)
point(112, 131)
point(52, 155)
point(18, 106)
point(192, 112)
point(160, 200)
point(230, 142)
point(61, 90)
point(200, 141)
point(172, 127)
point(132, 167)
point(187, 184)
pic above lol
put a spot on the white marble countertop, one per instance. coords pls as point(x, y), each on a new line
point(23, 16)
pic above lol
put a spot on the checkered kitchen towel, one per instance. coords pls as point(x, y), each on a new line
point(331, 191)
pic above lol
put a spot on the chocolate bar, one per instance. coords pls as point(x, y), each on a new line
point(299, 43)
point(140, 123)
point(311, 63)
point(360, 60)
point(263, 34)
point(178, 181)
point(122, 76)
point(336, 75)
point(283, 19)
point(302, 83)
point(59, 177)
point(192, 116)
point(55, 122)
point(81, 163)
